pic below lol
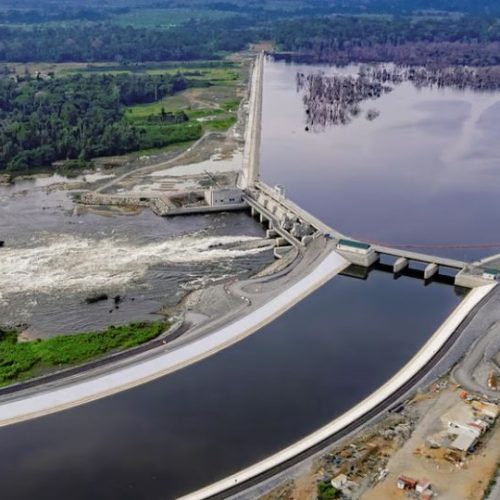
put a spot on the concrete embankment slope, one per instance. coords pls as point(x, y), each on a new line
point(74, 393)
point(417, 363)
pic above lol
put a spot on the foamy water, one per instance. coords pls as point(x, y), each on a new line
point(66, 263)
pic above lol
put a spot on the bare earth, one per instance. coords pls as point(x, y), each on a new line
point(448, 480)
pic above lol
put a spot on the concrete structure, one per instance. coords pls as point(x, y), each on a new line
point(361, 254)
point(490, 274)
point(223, 197)
point(400, 264)
point(459, 417)
point(464, 441)
point(430, 270)
point(251, 152)
point(280, 190)
point(426, 353)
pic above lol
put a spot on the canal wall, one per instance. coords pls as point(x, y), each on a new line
point(417, 363)
point(70, 393)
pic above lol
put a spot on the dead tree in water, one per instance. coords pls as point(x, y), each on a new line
point(335, 100)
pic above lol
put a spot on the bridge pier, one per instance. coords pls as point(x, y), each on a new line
point(430, 271)
point(400, 264)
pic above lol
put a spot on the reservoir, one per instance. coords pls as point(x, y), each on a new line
point(425, 172)
point(198, 425)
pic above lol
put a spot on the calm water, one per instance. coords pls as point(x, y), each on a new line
point(228, 411)
point(426, 171)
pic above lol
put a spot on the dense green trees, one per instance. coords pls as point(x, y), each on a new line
point(80, 117)
point(107, 42)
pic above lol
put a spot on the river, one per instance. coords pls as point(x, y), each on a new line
point(56, 256)
point(228, 411)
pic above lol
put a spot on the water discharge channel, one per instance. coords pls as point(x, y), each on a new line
point(197, 425)
point(202, 423)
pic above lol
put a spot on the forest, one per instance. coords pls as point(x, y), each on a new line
point(34, 11)
point(456, 40)
point(80, 117)
point(340, 40)
point(102, 42)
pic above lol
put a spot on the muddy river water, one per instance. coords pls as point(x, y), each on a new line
point(199, 424)
point(56, 256)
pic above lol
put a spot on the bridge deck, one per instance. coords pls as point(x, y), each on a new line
point(420, 257)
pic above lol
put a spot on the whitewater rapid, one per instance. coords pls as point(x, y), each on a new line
point(66, 263)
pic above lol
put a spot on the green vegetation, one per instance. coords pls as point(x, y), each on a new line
point(220, 124)
point(166, 17)
point(110, 110)
point(21, 360)
point(94, 42)
point(326, 491)
point(158, 135)
point(81, 117)
point(203, 112)
point(491, 483)
point(231, 105)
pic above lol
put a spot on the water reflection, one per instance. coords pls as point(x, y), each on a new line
point(424, 172)
point(230, 410)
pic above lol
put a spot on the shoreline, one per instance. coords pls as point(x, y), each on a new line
point(188, 349)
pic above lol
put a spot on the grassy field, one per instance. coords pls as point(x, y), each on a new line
point(22, 360)
point(220, 124)
point(211, 103)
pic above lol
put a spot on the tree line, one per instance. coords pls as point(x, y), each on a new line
point(343, 39)
point(97, 42)
point(456, 40)
point(77, 117)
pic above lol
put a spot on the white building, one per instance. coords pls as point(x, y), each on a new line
point(339, 482)
point(490, 274)
point(223, 196)
point(354, 247)
point(464, 441)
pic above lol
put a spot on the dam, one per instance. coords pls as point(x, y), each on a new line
point(323, 253)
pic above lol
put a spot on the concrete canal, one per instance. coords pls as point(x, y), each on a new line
point(224, 413)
